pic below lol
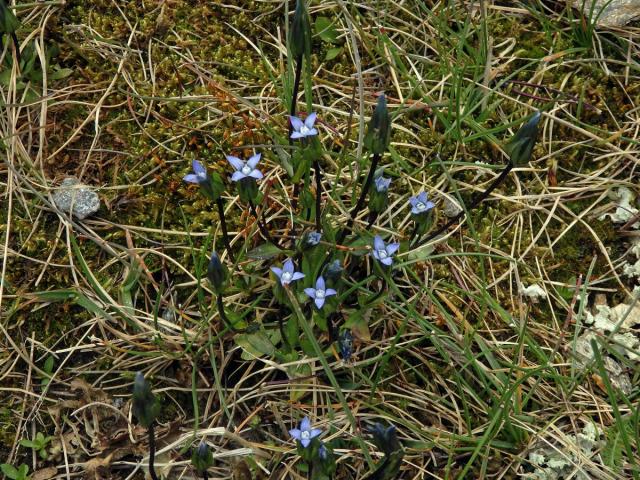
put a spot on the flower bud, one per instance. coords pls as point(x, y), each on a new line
point(379, 129)
point(385, 439)
point(311, 239)
point(248, 189)
point(345, 343)
point(520, 147)
point(202, 458)
point(300, 34)
point(213, 187)
point(146, 406)
point(333, 272)
point(8, 21)
point(379, 195)
point(217, 273)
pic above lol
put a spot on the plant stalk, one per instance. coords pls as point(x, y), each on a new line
point(225, 233)
point(152, 451)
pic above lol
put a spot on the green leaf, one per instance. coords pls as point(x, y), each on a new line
point(60, 74)
point(264, 252)
point(255, 344)
point(9, 470)
point(27, 443)
point(326, 30)
point(333, 53)
point(48, 364)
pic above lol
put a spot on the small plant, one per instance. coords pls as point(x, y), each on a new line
point(146, 407)
point(13, 473)
point(39, 444)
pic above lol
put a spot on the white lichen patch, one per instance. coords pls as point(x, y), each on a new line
point(568, 459)
point(625, 210)
point(533, 292)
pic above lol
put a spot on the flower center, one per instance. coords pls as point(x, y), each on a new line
point(286, 276)
point(246, 169)
point(420, 206)
point(304, 129)
point(320, 293)
point(305, 434)
point(382, 253)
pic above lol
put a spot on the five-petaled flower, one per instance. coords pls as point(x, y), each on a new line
point(245, 169)
point(420, 204)
point(303, 129)
point(287, 273)
point(305, 433)
point(382, 184)
point(199, 174)
point(320, 293)
point(383, 253)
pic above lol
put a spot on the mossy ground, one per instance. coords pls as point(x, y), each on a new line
point(154, 85)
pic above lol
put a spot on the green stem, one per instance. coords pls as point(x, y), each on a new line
point(360, 202)
point(225, 233)
point(318, 175)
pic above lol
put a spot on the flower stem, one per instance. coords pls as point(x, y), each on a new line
point(152, 451)
point(318, 175)
point(262, 227)
point(225, 233)
point(474, 202)
point(205, 475)
point(292, 112)
point(223, 315)
point(360, 203)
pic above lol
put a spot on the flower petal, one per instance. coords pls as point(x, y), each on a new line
point(387, 261)
point(288, 266)
point(413, 201)
point(191, 178)
point(296, 123)
point(430, 205)
point(311, 132)
point(422, 196)
point(257, 174)
point(198, 168)
point(330, 291)
point(235, 162)
point(311, 292)
point(237, 176)
point(319, 302)
point(295, 433)
point(253, 161)
point(297, 276)
point(315, 432)
point(378, 243)
point(296, 135)
point(310, 120)
point(392, 248)
point(305, 442)
point(305, 424)
point(277, 271)
point(320, 283)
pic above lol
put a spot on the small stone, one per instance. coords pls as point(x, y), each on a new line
point(450, 208)
point(610, 13)
point(72, 193)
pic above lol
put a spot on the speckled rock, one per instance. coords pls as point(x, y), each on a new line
point(73, 194)
point(610, 13)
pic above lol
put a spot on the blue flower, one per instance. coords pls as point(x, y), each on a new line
point(320, 293)
point(245, 169)
point(382, 184)
point(420, 204)
point(287, 273)
point(313, 238)
point(199, 174)
point(303, 129)
point(305, 433)
point(383, 253)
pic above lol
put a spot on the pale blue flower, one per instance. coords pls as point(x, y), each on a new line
point(420, 204)
point(383, 253)
point(303, 129)
point(245, 169)
point(320, 293)
point(287, 273)
point(305, 433)
point(199, 174)
point(382, 184)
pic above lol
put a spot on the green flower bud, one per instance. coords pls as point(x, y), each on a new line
point(248, 189)
point(379, 129)
point(202, 458)
point(300, 34)
point(217, 273)
point(520, 147)
point(213, 188)
point(146, 406)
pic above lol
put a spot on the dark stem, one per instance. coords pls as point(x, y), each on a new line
point(262, 227)
point(360, 203)
point(152, 452)
point(372, 218)
point(318, 174)
point(225, 233)
point(474, 203)
point(223, 315)
point(292, 112)
point(16, 43)
point(205, 475)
